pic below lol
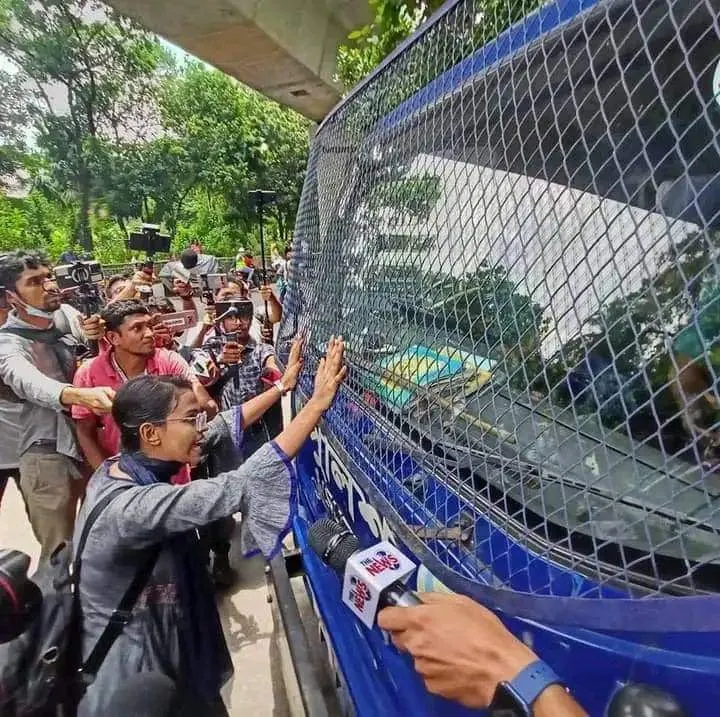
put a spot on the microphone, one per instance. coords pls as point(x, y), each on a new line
point(373, 578)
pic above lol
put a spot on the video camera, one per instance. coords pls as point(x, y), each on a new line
point(83, 279)
point(20, 597)
point(149, 239)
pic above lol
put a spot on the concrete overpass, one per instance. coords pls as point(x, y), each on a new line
point(286, 49)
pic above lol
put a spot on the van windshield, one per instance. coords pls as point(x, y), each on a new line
point(534, 291)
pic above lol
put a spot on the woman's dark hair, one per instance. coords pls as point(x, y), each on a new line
point(15, 262)
point(114, 314)
point(145, 399)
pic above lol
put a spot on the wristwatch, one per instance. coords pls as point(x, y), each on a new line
point(280, 386)
point(515, 698)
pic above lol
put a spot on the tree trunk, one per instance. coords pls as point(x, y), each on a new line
point(82, 233)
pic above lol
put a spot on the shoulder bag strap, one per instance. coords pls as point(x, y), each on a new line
point(123, 612)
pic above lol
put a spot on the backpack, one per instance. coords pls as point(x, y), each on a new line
point(42, 669)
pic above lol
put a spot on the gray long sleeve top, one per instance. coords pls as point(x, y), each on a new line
point(142, 517)
point(31, 370)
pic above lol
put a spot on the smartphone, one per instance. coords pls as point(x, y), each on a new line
point(242, 308)
point(180, 320)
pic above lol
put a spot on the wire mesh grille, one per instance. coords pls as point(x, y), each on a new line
point(519, 241)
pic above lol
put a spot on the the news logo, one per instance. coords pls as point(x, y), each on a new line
point(359, 593)
point(380, 562)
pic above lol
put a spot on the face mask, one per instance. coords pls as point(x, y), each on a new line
point(32, 311)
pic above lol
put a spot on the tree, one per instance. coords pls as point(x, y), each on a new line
point(101, 65)
point(13, 117)
point(233, 140)
point(449, 42)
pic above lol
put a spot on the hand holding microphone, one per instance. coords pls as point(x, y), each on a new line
point(372, 578)
point(461, 649)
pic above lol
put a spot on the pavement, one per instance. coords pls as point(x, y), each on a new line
point(257, 688)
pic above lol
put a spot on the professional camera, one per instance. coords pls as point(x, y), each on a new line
point(82, 279)
point(20, 597)
point(149, 239)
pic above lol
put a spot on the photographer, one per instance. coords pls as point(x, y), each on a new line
point(186, 300)
point(38, 345)
point(122, 288)
point(193, 261)
point(175, 628)
point(131, 353)
point(244, 362)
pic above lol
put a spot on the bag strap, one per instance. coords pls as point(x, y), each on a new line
point(123, 612)
point(63, 354)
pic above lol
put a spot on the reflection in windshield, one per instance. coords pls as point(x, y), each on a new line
point(597, 384)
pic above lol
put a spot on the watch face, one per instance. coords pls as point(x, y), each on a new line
point(506, 703)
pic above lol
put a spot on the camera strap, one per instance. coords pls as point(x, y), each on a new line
point(52, 338)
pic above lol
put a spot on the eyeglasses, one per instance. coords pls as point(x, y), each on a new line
point(200, 421)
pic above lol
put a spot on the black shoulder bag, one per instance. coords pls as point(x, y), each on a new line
point(42, 669)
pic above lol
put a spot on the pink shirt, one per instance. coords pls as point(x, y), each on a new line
point(102, 371)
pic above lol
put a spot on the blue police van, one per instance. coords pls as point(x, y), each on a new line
point(516, 227)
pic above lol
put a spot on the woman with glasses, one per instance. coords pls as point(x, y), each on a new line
point(174, 626)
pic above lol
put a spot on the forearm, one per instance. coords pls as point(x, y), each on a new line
point(198, 341)
point(71, 396)
point(201, 393)
point(128, 292)
point(89, 444)
point(556, 702)
point(254, 409)
point(291, 440)
point(274, 310)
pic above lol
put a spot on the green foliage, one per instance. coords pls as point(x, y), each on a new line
point(392, 21)
point(472, 25)
point(104, 68)
point(122, 135)
point(410, 195)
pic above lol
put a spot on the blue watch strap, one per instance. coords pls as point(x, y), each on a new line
point(531, 681)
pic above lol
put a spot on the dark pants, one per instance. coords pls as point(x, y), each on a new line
point(5, 475)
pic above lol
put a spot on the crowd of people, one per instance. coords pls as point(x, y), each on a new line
point(139, 438)
point(127, 396)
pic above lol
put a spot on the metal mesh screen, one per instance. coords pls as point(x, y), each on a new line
point(519, 239)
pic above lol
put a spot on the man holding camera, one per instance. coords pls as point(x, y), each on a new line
point(131, 353)
point(38, 348)
point(249, 366)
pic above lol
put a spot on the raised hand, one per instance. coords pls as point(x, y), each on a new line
point(294, 365)
point(330, 374)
